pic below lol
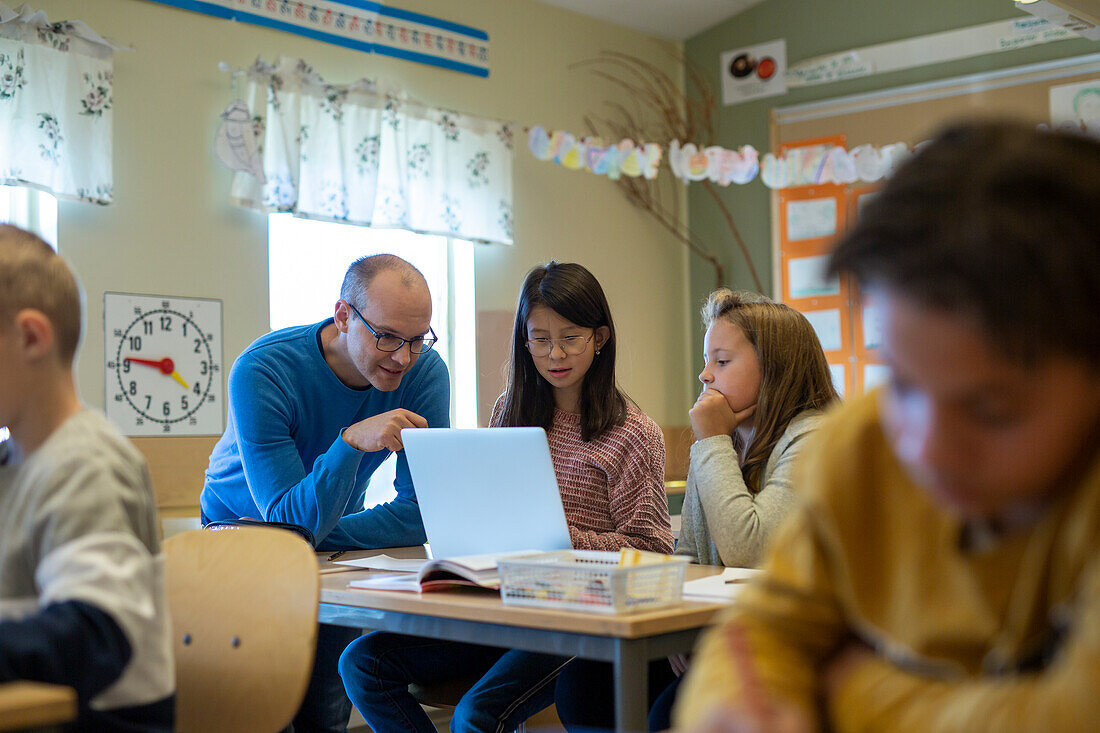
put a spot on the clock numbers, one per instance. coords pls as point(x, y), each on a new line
point(158, 323)
point(164, 372)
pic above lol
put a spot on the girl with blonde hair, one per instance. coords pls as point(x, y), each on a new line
point(765, 385)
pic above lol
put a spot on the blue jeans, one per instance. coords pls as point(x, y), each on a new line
point(585, 696)
point(326, 707)
point(512, 685)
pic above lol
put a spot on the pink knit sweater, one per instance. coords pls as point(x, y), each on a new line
point(612, 488)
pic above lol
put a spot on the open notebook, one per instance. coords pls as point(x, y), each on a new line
point(473, 570)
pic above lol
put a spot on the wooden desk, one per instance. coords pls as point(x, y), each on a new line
point(628, 640)
point(26, 705)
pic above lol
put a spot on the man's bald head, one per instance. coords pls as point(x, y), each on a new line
point(358, 278)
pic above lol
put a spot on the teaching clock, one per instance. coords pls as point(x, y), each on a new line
point(163, 357)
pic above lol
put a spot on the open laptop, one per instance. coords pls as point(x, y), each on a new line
point(486, 490)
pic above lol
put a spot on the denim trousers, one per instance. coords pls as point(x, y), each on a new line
point(585, 696)
point(326, 707)
point(511, 685)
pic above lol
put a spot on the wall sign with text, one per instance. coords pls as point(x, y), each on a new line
point(753, 72)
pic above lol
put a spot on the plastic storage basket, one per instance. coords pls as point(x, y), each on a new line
point(584, 580)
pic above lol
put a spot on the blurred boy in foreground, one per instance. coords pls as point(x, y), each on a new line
point(943, 570)
point(82, 595)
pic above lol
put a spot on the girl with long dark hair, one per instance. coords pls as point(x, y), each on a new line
point(609, 462)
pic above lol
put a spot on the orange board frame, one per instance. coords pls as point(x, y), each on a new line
point(807, 222)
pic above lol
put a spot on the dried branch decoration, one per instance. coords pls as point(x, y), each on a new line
point(663, 113)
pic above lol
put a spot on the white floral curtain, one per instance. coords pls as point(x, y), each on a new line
point(356, 155)
point(55, 106)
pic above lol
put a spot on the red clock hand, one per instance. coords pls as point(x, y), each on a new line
point(166, 365)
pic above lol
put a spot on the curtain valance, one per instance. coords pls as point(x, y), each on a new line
point(55, 106)
point(355, 154)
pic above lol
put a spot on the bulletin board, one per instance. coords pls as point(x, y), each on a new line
point(808, 221)
point(906, 114)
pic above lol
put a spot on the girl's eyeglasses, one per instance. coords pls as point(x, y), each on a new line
point(571, 345)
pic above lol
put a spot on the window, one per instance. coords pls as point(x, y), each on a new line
point(307, 261)
point(30, 209)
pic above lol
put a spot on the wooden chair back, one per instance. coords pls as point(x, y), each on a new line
point(177, 465)
point(244, 619)
point(678, 440)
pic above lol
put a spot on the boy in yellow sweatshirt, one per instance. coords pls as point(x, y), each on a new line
point(942, 572)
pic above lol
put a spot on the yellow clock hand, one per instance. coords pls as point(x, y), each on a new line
point(176, 376)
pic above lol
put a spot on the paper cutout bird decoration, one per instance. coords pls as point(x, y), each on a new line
point(235, 142)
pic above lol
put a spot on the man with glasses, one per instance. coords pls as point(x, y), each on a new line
point(313, 412)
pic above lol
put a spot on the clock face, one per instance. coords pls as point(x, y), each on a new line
point(163, 364)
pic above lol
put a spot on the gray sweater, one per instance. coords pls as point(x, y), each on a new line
point(723, 523)
point(78, 523)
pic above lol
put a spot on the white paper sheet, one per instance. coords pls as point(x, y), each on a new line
point(826, 325)
point(840, 378)
point(723, 587)
point(385, 562)
point(398, 581)
point(874, 375)
point(811, 219)
point(872, 326)
point(806, 277)
point(1076, 107)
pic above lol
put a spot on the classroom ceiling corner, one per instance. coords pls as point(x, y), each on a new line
point(677, 21)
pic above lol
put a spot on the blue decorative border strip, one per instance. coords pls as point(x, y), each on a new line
point(429, 20)
point(396, 51)
point(363, 5)
point(422, 58)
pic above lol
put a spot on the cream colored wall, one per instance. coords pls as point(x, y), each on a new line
point(171, 230)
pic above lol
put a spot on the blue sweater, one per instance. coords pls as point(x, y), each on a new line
point(283, 459)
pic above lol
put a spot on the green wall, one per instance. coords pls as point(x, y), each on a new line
point(815, 28)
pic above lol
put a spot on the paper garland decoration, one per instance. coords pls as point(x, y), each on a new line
point(613, 160)
point(817, 164)
point(715, 163)
point(804, 166)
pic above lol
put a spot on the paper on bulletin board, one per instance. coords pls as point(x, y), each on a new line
point(1076, 107)
point(807, 277)
point(754, 72)
point(826, 325)
point(839, 374)
point(811, 219)
point(872, 326)
point(874, 375)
